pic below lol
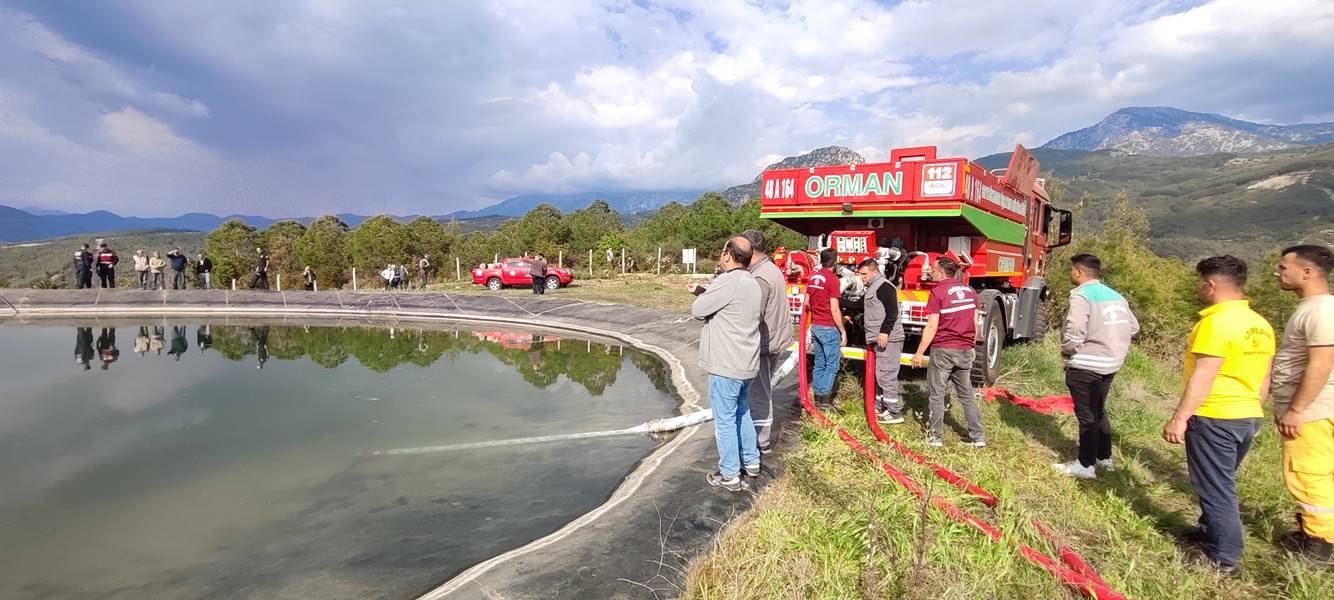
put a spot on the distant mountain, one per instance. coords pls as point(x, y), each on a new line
point(623, 202)
point(820, 157)
point(1164, 131)
point(42, 212)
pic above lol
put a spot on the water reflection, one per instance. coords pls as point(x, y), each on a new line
point(540, 359)
point(192, 474)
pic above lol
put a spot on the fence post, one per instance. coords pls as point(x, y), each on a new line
point(496, 259)
point(315, 284)
point(458, 268)
point(560, 259)
point(622, 260)
point(590, 263)
point(280, 281)
point(354, 279)
point(233, 284)
point(660, 260)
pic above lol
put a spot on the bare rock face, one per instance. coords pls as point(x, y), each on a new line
point(820, 157)
point(1163, 131)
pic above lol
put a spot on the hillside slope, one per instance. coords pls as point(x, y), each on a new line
point(1164, 131)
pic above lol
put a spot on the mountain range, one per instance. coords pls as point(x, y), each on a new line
point(1135, 131)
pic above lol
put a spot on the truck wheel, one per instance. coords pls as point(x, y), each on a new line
point(494, 284)
point(553, 282)
point(1040, 323)
point(986, 363)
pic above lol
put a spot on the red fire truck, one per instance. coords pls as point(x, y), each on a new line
point(904, 213)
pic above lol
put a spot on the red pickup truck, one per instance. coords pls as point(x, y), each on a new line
point(514, 272)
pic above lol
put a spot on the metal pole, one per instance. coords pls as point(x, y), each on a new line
point(316, 284)
point(354, 279)
point(590, 264)
point(622, 260)
point(660, 260)
point(458, 268)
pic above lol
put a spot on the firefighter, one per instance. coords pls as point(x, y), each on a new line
point(106, 266)
point(83, 345)
point(951, 329)
point(83, 268)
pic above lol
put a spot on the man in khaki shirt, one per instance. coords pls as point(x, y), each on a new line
point(1303, 393)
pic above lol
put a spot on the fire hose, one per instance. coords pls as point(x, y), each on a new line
point(1074, 573)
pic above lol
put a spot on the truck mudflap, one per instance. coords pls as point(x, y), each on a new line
point(1030, 319)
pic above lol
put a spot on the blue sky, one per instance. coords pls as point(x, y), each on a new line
point(293, 108)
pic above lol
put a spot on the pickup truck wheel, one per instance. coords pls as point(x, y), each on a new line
point(494, 284)
point(553, 282)
point(986, 363)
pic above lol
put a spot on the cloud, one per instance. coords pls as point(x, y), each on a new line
point(299, 108)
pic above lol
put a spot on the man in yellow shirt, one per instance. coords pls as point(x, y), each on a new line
point(1226, 381)
point(1304, 398)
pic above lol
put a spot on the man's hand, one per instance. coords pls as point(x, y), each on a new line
point(1290, 424)
point(881, 341)
point(842, 337)
point(918, 361)
point(695, 288)
point(1175, 431)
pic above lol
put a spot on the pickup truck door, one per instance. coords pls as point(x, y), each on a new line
point(515, 272)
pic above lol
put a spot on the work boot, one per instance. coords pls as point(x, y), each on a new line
point(1313, 549)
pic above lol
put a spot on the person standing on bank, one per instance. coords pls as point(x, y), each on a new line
point(1094, 345)
point(823, 292)
point(107, 259)
point(423, 268)
point(884, 337)
point(261, 278)
point(204, 272)
point(309, 277)
point(155, 266)
point(537, 269)
point(950, 335)
point(1228, 355)
point(178, 262)
point(1303, 392)
point(83, 268)
point(141, 269)
point(729, 351)
point(775, 335)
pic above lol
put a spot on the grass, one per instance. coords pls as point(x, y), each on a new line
point(832, 526)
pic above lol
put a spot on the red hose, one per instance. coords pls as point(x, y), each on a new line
point(953, 478)
point(1091, 587)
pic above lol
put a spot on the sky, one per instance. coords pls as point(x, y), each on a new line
point(305, 107)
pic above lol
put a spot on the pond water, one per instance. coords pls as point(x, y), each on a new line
point(180, 460)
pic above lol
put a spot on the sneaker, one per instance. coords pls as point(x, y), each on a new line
point(935, 442)
point(885, 417)
point(976, 444)
point(751, 471)
point(1074, 469)
point(1105, 464)
point(717, 480)
point(766, 450)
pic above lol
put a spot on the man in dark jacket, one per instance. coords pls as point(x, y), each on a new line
point(204, 272)
point(83, 267)
point(261, 278)
point(106, 266)
point(538, 270)
point(178, 262)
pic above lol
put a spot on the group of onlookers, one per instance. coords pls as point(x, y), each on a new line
point(150, 270)
point(1233, 364)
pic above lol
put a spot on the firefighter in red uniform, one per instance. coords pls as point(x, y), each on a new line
point(106, 266)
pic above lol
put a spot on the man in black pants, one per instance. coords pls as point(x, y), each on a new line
point(83, 268)
point(1094, 345)
point(106, 266)
point(261, 278)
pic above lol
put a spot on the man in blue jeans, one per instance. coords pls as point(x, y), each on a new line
point(729, 351)
point(827, 333)
point(1228, 355)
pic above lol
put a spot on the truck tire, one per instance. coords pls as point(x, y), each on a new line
point(553, 282)
point(1040, 323)
point(494, 284)
point(986, 362)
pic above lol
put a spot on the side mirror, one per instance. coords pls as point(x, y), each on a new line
point(1065, 223)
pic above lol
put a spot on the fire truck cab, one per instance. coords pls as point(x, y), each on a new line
point(904, 213)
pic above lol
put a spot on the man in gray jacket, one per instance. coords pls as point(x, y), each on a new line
point(729, 351)
point(884, 335)
point(1094, 345)
point(775, 334)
